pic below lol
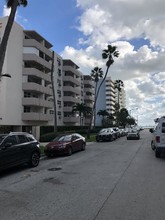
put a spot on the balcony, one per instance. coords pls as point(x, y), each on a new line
point(72, 70)
point(34, 116)
point(91, 90)
point(75, 90)
point(89, 97)
point(37, 102)
point(71, 99)
point(72, 79)
point(34, 58)
point(89, 82)
point(37, 73)
point(36, 44)
point(30, 86)
point(71, 119)
point(67, 109)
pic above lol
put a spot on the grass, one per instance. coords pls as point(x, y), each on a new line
point(42, 149)
point(91, 139)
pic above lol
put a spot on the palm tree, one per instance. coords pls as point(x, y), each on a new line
point(96, 75)
point(118, 85)
point(103, 113)
point(54, 96)
point(82, 109)
point(109, 54)
point(13, 4)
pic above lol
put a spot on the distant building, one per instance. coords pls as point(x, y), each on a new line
point(107, 98)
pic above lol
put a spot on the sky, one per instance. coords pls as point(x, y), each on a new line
point(81, 29)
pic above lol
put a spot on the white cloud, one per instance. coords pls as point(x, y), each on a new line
point(6, 11)
point(142, 66)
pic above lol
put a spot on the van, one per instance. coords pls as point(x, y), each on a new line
point(158, 139)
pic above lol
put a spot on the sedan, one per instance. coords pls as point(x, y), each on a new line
point(65, 145)
point(106, 134)
point(133, 135)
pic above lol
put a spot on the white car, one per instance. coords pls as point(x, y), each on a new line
point(158, 139)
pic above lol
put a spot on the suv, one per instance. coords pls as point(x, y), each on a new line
point(106, 134)
point(158, 139)
point(17, 148)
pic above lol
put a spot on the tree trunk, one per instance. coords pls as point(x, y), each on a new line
point(54, 96)
point(7, 31)
point(94, 105)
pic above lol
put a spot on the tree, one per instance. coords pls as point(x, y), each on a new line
point(108, 54)
point(118, 85)
point(131, 121)
point(96, 75)
point(82, 109)
point(13, 4)
point(103, 113)
point(122, 117)
point(54, 96)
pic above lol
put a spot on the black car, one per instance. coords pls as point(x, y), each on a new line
point(106, 134)
point(18, 148)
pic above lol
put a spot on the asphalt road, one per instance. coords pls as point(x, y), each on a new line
point(119, 180)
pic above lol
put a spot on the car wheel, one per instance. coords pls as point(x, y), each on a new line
point(152, 145)
point(69, 152)
point(35, 159)
point(83, 147)
point(157, 154)
point(127, 138)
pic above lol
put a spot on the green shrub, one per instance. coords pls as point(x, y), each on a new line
point(47, 137)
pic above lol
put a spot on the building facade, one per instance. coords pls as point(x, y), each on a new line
point(108, 97)
point(26, 99)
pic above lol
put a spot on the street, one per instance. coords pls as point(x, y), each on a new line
point(119, 180)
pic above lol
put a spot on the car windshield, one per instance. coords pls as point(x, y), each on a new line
point(63, 138)
point(103, 130)
point(2, 136)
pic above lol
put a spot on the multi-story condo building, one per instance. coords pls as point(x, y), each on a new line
point(89, 94)
point(120, 97)
point(25, 99)
point(71, 91)
point(107, 98)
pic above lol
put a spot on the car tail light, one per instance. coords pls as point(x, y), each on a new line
point(157, 139)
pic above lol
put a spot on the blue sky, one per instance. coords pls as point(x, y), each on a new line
point(81, 29)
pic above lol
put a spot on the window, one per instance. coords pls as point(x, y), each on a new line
point(22, 139)
point(163, 127)
point(26, 108)
point(11, 139)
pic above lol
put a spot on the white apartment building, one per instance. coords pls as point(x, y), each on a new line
point(107, 98)
point(26, 100)
point(26, 97)
point(89, 94)
point(71, 91)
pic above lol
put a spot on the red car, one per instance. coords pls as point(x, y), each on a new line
point(65, 145)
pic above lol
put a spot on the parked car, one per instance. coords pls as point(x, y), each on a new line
point(106, 134)
point(158, 138)
point(65, 144)
point(17, 148)
point(117, 132)
point(133, 134)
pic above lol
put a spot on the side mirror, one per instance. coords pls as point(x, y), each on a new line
point(151, 130)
